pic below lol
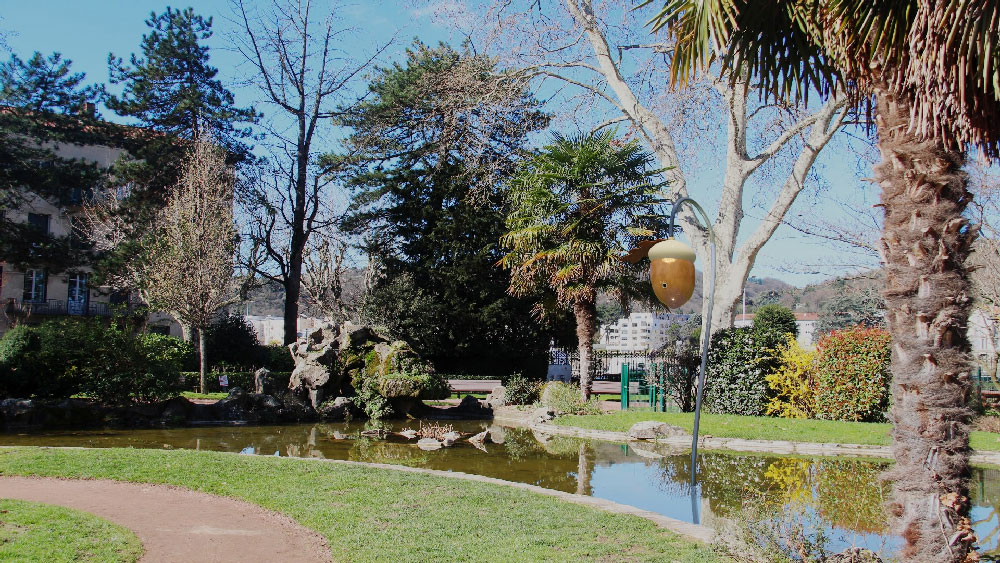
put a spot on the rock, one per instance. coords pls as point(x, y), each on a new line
point(651, 429)
point(338, 435)
point(450, 438)
point(497, 397)
point(543, 414)
point(353, 336)
point(409, 434)
point(428, 444)
point(295, 408)
point(497, 434)
point(480, 438)
point(262, 381)
point(336, 409)
point(315, 356)
point(17, 413)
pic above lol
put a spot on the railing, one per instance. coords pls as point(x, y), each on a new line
point(59, 307)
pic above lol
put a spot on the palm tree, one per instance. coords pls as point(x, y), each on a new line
point(575, 209)
point(931, 68)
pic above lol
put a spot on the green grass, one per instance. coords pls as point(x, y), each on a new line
point(32, 531)
point(194, 395)
point(379, 514)
point(763, 428)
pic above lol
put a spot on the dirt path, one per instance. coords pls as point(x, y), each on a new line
point(176, 524)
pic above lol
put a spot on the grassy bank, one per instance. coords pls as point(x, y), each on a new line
point(32, 531)
point(373, 514)
point(763, 428)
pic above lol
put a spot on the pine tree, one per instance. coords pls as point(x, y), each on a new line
point(45, 105)
point(435, 136)
point(173, 89)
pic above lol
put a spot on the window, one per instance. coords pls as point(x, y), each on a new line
point(77, 294)
point(39, 221)
point(34, 286)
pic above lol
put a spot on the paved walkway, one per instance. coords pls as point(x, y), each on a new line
point(176, 524)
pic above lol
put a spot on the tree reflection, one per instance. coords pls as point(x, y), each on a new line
point(846, 493)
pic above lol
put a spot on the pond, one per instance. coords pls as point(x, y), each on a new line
point(842, 495)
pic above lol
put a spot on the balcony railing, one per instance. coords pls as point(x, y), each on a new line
point(60, 307)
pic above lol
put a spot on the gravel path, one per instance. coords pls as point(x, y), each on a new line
point(176, 524)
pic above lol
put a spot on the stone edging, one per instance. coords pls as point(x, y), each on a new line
point(737, 444)
point(688, 530)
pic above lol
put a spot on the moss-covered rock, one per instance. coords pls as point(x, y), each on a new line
point(385, 377)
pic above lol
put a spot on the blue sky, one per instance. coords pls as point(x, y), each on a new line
point(86, 32)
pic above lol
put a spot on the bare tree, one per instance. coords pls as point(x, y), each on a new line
point(189, 266)
point(325, 280)
point(303, 75)
point(606, 62)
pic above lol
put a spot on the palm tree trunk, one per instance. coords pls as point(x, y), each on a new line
point(925, 241)
point(585, 312)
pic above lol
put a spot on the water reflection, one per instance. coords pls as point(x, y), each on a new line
point(845, 494)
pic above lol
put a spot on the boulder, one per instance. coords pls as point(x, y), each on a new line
point(428, 444)
point(497, 397)
point(409, 434)
point(651, 429)
point(450, 438)
point(497, 434)
point(262, 382)
point(315, 357)
point(18, 412)
point(337, 409)
point(480, 438)
point(543, 414)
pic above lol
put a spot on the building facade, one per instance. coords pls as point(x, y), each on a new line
point(806, 323)
point(639, 332)
point(33, 294)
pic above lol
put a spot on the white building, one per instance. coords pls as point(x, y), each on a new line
point(806, 323)
point(271, 328)
point(639, 332)
point(984, 333)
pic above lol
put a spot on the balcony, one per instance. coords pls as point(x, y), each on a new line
point(60, 307)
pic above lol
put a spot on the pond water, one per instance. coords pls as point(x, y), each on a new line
point(843, 496)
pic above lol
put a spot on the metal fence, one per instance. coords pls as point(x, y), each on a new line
point(651, 380)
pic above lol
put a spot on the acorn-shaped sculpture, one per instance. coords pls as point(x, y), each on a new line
point(671, 272)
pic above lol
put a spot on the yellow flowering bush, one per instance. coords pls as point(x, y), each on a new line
point(793, 384)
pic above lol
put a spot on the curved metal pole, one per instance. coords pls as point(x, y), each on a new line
point(706, 335)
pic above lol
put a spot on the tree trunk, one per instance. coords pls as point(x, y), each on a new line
point(925, 242)
point(586, 326)
point(293, 288)
point(202, 361)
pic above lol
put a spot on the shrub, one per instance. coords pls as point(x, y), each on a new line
point(852, 378)
point(520, 390)
point(565, 399)
point(65, 357)
point(775, 318)
point(278, 358)
point(793, 384)
point(738, 361)
point(231, 341)
point(14, 346)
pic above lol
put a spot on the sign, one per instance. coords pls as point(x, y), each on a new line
point(223, 381)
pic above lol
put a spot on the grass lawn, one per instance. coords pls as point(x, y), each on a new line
point(763, 428)
point(194, 395)
point(32, 531)
point(379, 514)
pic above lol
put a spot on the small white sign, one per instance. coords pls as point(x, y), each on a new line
point(223, 381)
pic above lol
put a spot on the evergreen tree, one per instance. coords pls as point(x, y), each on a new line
point(435, 136)
point(45, 105)
point(172, 87)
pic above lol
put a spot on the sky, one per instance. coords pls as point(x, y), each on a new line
point(86, 31)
